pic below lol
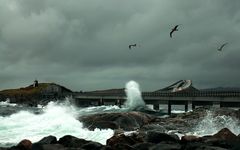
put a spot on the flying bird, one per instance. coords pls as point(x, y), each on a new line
point(132, 45)
point(221, 47)
point(174, 29)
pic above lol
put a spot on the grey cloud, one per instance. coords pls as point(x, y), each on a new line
point(83, 44)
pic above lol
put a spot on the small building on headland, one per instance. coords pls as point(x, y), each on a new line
point(35, 84)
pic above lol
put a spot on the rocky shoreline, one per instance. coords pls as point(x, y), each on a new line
point(150, 140)
point(149, 133)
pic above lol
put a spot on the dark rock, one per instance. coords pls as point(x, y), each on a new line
point(218, 142)
point(92, 145)
point(123, 139)
point(107, 148)
point(225, 134)
point(71, 141)
point(127, 121)
point(25, 144)
point(70, 148)
point(224, 139)
point(143, 146)
point(118, 131)
point(48, 140)
point(166, 146)
point(201, 146)
point(103, 125)
point(190, 138)
point(37, 146)
point(123, 147)
point(157, 137)
point(14, 148)
point(155, 127)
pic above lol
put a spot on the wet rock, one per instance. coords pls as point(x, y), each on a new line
point(189, 138)
point(53, 147)
point(122, 146)
point(201, 146)
point(48, 140)
point(225, 134)
point(226, 112)
point(166, 146)
point(107, 148)
point(37, 146)
point(103, 125)
point(143, 146)
point(123, 139)
point(219, 140)
point(155, 127)
point(157, 137)
point(71, 141)
point(127, 121)
point(118, 131)
point(92, 145)
point(25, 144)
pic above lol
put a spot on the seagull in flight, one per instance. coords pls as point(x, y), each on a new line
point(221, 47)
point(174, 29)
point(132, 45)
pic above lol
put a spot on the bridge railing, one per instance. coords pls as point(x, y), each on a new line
point(169, 94)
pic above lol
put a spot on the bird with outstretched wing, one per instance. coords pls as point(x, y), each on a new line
point(173, 30)
point(221, 47)
point(132, 45)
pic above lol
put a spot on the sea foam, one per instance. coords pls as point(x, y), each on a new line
point(134, 96)
point(56, 119)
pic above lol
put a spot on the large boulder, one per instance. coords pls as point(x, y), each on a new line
point(48, 140)
point(127, 121)
point(143, 146)
point(123, 139)
point(225, 134)
point(37, 146)
point(25, 144)
point(201, 146)
point(155, 127)
point(166, 146)
point(71, 141)
point(190, 138)
point(122, 146)
point(224, 139)
point(157, 137)
point(92, 146)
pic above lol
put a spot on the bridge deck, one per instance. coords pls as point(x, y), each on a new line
point(224, 98)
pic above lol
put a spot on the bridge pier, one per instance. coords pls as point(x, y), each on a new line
point(118, 102)
point(156, 106)
point(193, 106)
point(100, 102)
point(169, 107)
point(186, 106)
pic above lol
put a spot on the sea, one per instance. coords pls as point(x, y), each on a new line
point(60, 118)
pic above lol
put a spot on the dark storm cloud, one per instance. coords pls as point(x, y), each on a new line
point(83, 44)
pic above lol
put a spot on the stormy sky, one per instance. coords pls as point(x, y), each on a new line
point(83, 44)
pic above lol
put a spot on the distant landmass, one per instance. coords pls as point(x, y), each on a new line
point(35, 94)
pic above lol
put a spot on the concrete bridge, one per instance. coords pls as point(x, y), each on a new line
point(172, 95)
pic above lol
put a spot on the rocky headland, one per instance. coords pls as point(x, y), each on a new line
point(33, 95)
